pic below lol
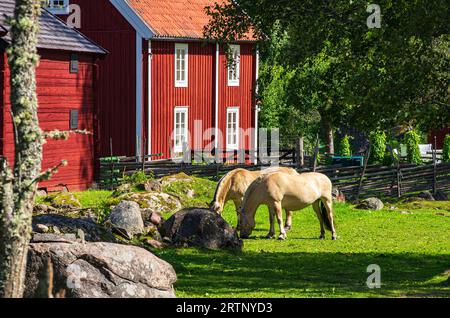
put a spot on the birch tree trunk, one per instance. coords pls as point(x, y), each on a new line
point(18, 187)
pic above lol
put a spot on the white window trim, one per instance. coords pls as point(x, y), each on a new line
point(234, 110)
point(235, 82)
point(58, 10)
point(185, 82)
point(180, 109)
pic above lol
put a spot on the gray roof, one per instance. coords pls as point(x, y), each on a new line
point(54, 34)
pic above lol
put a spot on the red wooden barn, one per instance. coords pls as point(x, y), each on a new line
point(162, 83)
point(65, 87)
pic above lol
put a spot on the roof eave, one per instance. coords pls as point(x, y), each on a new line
point(133, 18)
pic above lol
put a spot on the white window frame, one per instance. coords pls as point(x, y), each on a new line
point(182, 83)
point(237, 66)
point(179, 110)
point(50, 6)
point(233, 146)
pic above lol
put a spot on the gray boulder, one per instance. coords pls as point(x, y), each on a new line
point(100, 270)
point(200, 228)
point(371, 204)
point(126, 218)
point(59, 223)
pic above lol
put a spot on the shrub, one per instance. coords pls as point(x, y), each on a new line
point(412, 140)
point(378, 146)
point(344, 147)
point(446, 149)
point(137, 178)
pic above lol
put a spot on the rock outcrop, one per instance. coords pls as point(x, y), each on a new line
point(100, 270)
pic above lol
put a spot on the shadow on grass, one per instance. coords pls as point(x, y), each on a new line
point(263, 274)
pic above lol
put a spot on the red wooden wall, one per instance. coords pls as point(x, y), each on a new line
point(58, 92)
point(101, 22)
point(199, 96)
point(241, 96)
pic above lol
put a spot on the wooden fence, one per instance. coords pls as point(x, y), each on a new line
point(354, 182)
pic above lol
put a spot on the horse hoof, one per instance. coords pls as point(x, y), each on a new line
point(334, 238)
point(322, 237)
point(287, 228)
point(269, 236)
point(282, 237)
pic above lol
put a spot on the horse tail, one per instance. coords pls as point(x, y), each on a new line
point(325, 217)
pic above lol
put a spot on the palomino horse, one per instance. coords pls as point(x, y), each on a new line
point(292, 192)
point(234, 184)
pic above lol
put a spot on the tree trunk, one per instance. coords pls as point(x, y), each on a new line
point(329, 135)
point(18, 187)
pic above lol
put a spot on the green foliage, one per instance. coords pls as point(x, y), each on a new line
point(446, 149)
point(344, 147)
point(378, 146)
point(372, 78)
point(137, 178)
point(412, 141)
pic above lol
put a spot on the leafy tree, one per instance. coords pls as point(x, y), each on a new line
point(280, 107)
point(344, 147)
point(371, 78)
point(412, 141)
point(446, 149)
point(378, 146)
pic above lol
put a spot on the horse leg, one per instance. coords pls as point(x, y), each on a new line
point(288, 225)
point(328, 202)
point(272, 223)
point(316, 208)
point(279, 214)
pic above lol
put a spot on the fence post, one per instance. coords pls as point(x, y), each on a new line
point(399, 185)
point(363, 172)
point(435, 167)
point(316, 154)
point(300, 158)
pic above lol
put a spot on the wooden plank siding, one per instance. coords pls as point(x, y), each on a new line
point(242, 96)
point(116, 87)
point(199, 96)
point(59, 92)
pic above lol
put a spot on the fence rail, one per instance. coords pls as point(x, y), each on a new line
point(355, 182)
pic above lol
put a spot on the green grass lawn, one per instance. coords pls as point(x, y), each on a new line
point(413, 251)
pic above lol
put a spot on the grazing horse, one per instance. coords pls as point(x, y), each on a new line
point(234, 184)
point(291, 192)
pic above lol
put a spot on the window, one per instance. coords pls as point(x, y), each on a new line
point(56, 6)
point(233, 128)
point(181, 65)
point(234, 66)
point(181, 128)
point(73, 63)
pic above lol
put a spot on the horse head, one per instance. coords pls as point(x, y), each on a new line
point(216, 207)
point(246, 224)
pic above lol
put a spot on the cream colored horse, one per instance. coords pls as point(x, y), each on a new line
point(234, 184)
point(291, 192)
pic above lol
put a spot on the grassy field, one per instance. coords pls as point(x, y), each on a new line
point(413, 251)
point(410, 243)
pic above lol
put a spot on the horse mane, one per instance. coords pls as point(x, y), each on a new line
point(224, 185)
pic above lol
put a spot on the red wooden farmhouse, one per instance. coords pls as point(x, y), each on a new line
point(162, 83)
point(66, 79)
